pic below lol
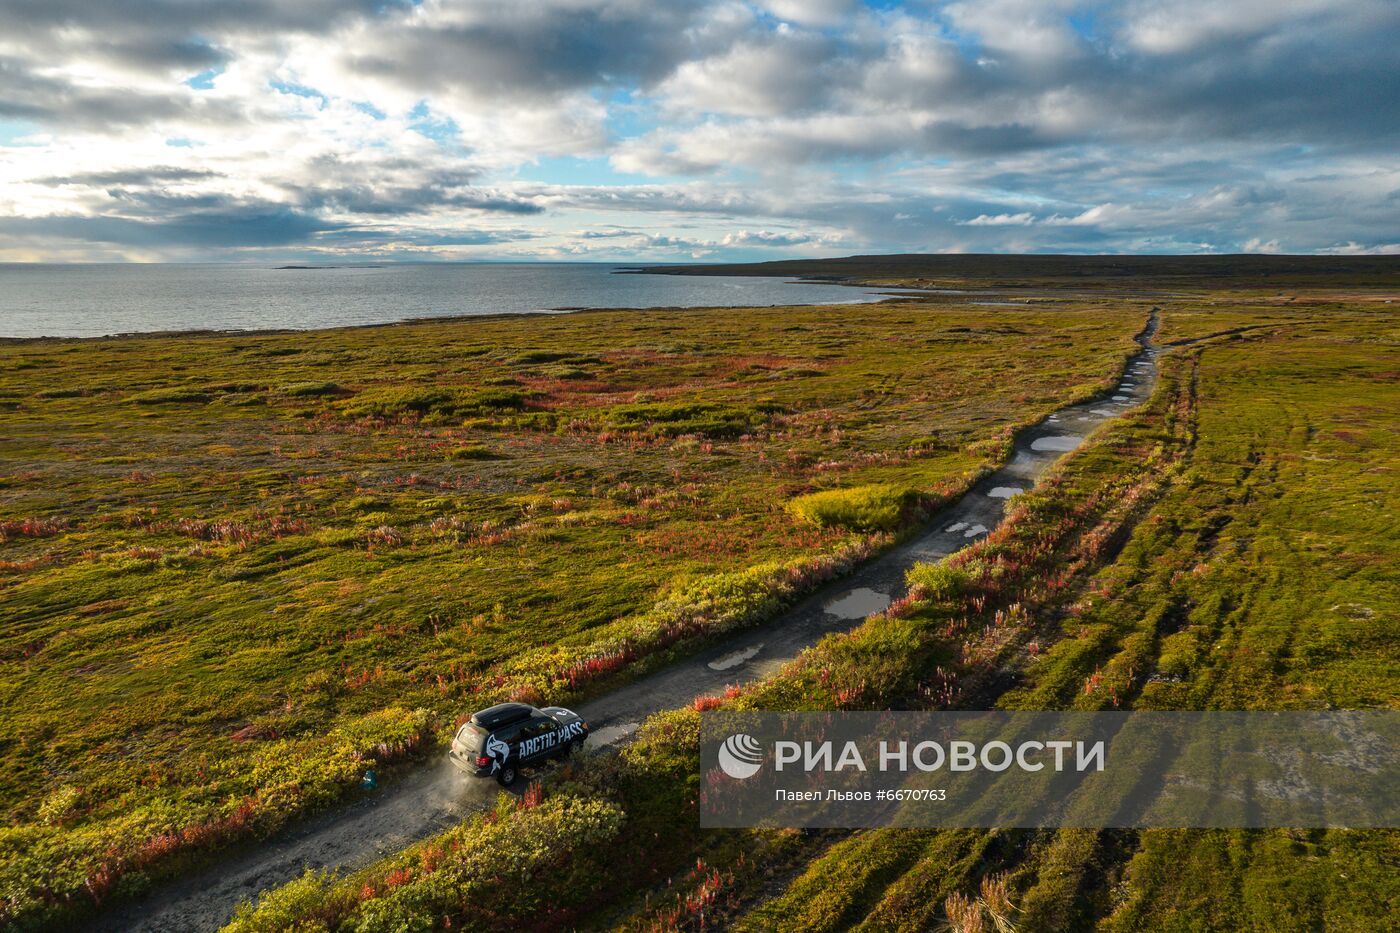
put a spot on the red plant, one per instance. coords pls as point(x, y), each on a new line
point(32, 528)
point(533, 796)
point(398, 876)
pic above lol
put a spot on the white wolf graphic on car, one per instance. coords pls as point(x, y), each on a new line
point(499, 752)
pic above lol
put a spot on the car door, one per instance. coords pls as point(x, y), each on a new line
point(510, 737)
point(538, 739)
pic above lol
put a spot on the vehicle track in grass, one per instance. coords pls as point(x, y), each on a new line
point(431, 799)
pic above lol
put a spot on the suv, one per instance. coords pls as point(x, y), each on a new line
point(501, 740)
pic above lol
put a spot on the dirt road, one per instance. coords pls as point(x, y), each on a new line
point(435, 797)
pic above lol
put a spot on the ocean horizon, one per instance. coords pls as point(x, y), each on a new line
point(107, 299)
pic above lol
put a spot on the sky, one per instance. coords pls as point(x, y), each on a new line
point(694, 130)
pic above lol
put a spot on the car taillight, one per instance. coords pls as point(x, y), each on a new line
point(482, 760)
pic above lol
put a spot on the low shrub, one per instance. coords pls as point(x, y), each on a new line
point(472, 452)
point(568, 373)
point(399, 402)
point(170, 396)
point(938, 581)
point(554, 356)
point(670, 419)
point(305, 389)
point(484, 869)
point(860, 508)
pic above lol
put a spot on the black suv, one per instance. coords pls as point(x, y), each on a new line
point(501, 740)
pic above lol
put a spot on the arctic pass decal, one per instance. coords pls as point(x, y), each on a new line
point(540, 743)
point(535, 744)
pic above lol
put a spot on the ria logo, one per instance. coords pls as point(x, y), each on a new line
point(740, 756)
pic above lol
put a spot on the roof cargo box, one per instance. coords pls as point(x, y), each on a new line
point(501, 714)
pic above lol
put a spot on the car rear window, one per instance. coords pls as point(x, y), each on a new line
point(471, 735)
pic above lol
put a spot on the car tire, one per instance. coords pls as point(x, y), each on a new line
point(506, 776)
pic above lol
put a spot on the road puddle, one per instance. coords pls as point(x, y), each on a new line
point(610, 734)
point(735, 658)
point(976, 530)
point(857, 604)
point(1005, 492)
point(1057, 442)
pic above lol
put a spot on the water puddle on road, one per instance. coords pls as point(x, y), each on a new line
point(735, 658)
point(1005, 492)
point(857, 604)
point(610, 734)
point(1057, 442)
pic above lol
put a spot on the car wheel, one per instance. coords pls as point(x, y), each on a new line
point(506, 776)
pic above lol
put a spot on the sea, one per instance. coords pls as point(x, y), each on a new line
point(49, 300)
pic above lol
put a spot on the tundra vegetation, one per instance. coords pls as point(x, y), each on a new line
point(1228, 545)
point(236, 571)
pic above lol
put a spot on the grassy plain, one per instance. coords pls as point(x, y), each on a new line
point(1230, 545)
point(1260, 575)
point(236, 570)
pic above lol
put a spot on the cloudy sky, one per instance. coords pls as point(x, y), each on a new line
point(673, 130)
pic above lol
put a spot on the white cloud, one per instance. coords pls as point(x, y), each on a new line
point(1023, 219)
point(1174, 26)
point(1357, 249)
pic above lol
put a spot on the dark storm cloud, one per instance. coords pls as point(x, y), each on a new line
point(27, 94)
point(254, 225)
point(369, 240)
point(1325, 81)
point(389, 199)
point(168, 33)
point(403, 187)
point(395, 201)
point(1340, 89)
point(136, 177)
point(512, 50)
